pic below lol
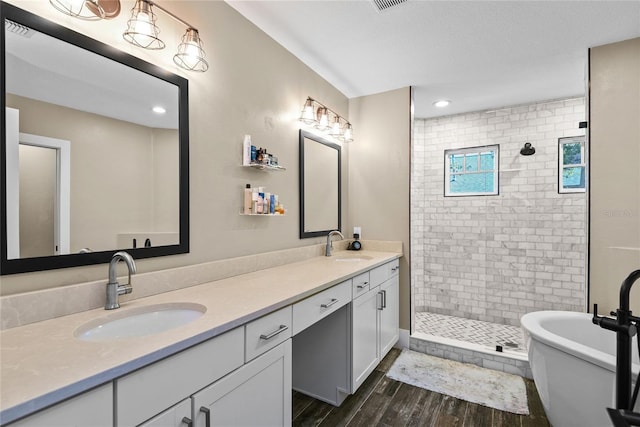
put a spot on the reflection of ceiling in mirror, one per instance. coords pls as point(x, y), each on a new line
point(44, 68)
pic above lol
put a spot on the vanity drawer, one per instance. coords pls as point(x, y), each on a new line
point(360, 284)
point(267, 332)
point(309, 311)
point(154, 388)
point(384, 272)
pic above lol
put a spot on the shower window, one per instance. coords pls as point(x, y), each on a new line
point(571, 165)
point(471, 171)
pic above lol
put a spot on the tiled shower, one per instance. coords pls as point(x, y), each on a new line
point(495, 258)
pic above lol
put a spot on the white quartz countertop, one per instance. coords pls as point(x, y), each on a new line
point(44, 363)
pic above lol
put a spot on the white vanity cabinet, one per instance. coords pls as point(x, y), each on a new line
point(147, 392)
point(242, 377)
point(374, 322)
point(257, 394)
point(178, 415)
point(92, 408)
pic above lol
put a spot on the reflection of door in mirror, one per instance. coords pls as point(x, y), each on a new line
point(38, 193)
point(38, 184)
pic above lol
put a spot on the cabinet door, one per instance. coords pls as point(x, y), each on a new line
point(93, 408)
point(147, 392)
point(365, 336)
point(389, 332)
point(178, 415)
point(257, 394)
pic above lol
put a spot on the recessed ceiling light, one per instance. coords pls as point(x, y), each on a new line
point(442, 103)
point(159, 110)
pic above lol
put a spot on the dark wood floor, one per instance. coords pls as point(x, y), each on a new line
point(381, 401)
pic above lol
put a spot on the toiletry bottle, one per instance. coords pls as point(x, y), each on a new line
point(260, 200)
point(246, 150)
point(267, 203)
point(247, 199)
point(254, 154)
point(254, 201)
point(272, 204)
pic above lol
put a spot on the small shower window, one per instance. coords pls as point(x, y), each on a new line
point(572, 168)
point(471, 171)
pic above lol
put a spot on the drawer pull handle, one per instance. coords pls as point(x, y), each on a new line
point(187, 421)
point(333, 301)
point(362, 286)
point(207, 415)
point(280, 330)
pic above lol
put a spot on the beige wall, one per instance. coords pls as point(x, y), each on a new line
point(615, 171)
point(115, 168)
point(254, 86)
point(379, 162)
point(166, 173)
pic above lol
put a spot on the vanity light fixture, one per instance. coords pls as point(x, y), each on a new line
point(89, 10)
point(442, 103)
point(159, 109)
point(326, 120)
point(142, 30)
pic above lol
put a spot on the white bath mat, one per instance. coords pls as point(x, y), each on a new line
point(498, 390)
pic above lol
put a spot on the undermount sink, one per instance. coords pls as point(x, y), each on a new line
point(352, 258)
point(139, 321)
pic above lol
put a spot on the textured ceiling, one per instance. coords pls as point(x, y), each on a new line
point(478, 54)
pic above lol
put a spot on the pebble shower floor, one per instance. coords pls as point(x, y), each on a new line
point(474, 331)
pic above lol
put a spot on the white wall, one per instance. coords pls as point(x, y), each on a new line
point(495, 258)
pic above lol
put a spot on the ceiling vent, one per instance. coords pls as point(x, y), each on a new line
point(382, 5)
point(15, 28)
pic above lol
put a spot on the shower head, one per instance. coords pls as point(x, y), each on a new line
point(528, 149)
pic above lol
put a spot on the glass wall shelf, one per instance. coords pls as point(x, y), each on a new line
point(265, 167)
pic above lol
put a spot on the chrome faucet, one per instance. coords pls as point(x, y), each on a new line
point(113, 287)
point(329, 247)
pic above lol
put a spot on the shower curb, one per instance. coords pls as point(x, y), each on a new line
point(495, 361)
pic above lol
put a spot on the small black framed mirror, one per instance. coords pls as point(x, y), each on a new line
point(320, 185)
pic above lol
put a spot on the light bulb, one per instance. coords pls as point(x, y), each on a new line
point(191, 54)
point(348, 133)
point(335, 128)
point(143, 25)
point(307, 112)
point(324, 119)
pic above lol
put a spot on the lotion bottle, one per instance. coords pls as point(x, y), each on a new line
point(248, 193)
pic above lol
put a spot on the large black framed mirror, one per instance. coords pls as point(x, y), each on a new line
point(117, 172)
point(320, 185)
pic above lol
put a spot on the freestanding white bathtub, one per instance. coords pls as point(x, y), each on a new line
point(573, 363)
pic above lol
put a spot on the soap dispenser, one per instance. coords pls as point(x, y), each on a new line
point(355, 245)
